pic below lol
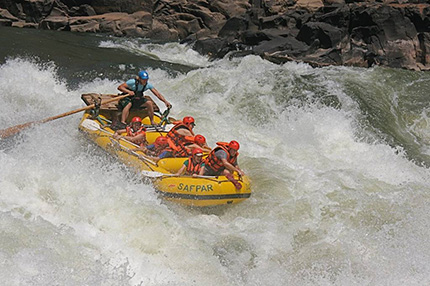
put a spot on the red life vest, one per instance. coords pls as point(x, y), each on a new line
point(193, 168)
point(132, 133)
point(177, 141)
point(213, 162)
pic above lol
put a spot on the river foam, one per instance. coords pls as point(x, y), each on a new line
point(335, 202)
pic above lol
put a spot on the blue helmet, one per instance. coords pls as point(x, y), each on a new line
point(143, 75)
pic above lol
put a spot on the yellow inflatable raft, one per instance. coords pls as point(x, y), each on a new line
point(195, 191)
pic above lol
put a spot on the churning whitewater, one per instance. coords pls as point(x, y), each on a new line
point(338, 159)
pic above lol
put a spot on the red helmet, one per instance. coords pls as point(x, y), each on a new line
point(198, 152)
point(234, 145)
point(188, 120)
point(136, 119)
point(161, 141)
point(200, 139)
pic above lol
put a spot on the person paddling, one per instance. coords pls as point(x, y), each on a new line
point(135, 132)
point(193, 164)
point(222, 160)
point(157, 150)
point(199, 141)
point(180, 135)
point(136, 87)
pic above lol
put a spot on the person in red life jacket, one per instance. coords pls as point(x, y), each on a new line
point(222, 160)
point(193, 165)
point(157, 150)
point(135, 132)
point(181, 135)
point(199, 141)
point(136, 87)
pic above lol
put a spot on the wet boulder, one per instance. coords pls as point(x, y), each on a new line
point(328, 36)
point(6, 18)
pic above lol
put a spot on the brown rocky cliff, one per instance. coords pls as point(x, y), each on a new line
point(320, 32)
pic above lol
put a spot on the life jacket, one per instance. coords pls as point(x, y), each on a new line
point(138, 94)
point(178, 142)
point(213, 162)
point(193, 168)
point(132, 133)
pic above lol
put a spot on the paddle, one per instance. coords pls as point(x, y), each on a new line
point(151, 128)
point(128, 150)
point(94, 126)
point(156, 175)
point(159, 175)
point(15, 129)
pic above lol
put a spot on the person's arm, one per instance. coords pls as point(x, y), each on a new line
point(139, 139)
point(161, 97)
point(194, 145)
point(236, 165)
point(125, 89)
point(140, 148)
point(206, 148)
point(118, 133)
point(202, 170)
point(241, 173)
point(148, 149)
point(222, 155)
point(181, 170)
point(229, 166)
point(184, 132)
point(135, 139)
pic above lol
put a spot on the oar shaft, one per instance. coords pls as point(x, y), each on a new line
point(156, 175)
point(66, 114)
point(4, 133)
point(136, 154)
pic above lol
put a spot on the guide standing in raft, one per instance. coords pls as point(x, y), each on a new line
point(136, 87)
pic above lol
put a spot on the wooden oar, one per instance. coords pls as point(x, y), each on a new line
point(15, 129)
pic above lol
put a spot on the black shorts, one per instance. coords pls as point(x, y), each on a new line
point(136, 102)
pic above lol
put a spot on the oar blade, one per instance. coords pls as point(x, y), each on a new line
point(90, 125)
point(8, 132)
point(153, 174)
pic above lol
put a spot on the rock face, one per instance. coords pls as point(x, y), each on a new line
point(321, 32)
